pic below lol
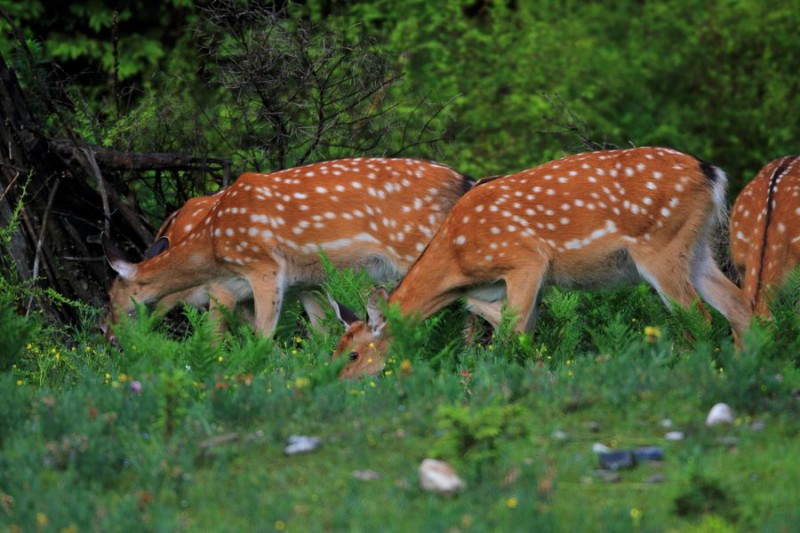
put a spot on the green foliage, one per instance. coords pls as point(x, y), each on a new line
point(14, 333)
point(474, 435)
point(409, 334)
point(152, 435)
point(704, 496)
point(347, 286)
point(562, 330)
point(785, 308)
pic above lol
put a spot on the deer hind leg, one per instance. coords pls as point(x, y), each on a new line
point(668, 271)
point(720, 292)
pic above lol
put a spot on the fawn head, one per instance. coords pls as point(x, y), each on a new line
point(365, 342)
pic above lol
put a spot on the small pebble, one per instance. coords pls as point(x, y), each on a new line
point(666, 423)
point(366, 475)
point(302, 444)
point(560, 435)
point(438, 476)
point(657, 477)
point(600, 448)
point(593, 426)
point(758, 425)
point(674, 436)
point(721, 413)
point(608, 476)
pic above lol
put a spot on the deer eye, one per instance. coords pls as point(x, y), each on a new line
point(353, 356)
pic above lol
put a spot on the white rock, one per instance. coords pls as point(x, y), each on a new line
point(302, 444)
point(438, 476)
point(598, 447)
point(721, 413)
point(666, 423)
point(674, 435)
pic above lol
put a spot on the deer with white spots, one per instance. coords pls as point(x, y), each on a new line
point(765, 230)
point(586, 220)
point(263, 234)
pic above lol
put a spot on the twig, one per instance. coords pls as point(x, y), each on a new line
point(83, 259)
point(40, 241)
point(5, 192)
point(101, 184)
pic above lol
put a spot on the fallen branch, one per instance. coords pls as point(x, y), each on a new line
point(110, 159)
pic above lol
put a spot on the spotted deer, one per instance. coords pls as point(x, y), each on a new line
point(179, 224)
point(765, 230)
point(263, 234)
point(586, 220)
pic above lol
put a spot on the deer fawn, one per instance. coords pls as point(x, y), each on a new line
point(264, 233)
point(765, 229)
point(586, 220)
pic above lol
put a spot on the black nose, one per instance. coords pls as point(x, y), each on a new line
point(353, 356)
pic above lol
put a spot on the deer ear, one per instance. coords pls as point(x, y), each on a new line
point(345, 315)
point(161, 244)
point(116, 259)
point(375, 317)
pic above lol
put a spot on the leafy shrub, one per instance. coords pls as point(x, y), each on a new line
point(474, 435)
point(705, 495)
point(14, 333)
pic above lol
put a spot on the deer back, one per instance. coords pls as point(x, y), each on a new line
point(379, 213)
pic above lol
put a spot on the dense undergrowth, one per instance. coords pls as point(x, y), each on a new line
point(189, 433)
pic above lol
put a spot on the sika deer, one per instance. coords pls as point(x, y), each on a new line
point(586, 220)
point(765, 230)
point(263, 234)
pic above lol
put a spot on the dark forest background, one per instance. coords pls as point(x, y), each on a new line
point(114, 113)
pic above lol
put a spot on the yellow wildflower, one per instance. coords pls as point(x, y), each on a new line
point(636, 516)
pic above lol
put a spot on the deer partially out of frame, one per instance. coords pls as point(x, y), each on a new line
point(765, 230)
point(264, 233)
point(586, 220)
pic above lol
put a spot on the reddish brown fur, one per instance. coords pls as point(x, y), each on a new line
point(580, 221)
point(766, 246)
point(263, 234)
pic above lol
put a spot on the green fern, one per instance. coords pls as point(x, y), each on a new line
point(614, 337)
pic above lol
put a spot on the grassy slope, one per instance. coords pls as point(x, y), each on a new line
point(85, 450)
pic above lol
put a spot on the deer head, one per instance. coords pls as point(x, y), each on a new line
point(364, 343)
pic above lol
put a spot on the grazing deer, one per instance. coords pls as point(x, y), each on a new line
point(179, 224)
point(765, 230)
point(264, 233)
point(586, 220)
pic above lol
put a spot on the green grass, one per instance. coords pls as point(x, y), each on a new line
point(196, 444)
